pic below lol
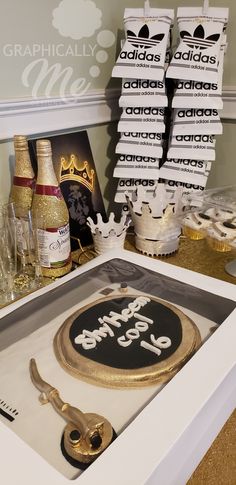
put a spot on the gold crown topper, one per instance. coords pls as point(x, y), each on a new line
point(72, 169)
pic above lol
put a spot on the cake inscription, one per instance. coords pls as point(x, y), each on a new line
point(89, 339)
point(158, 344)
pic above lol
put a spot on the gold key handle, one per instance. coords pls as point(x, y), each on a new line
point(86, 435)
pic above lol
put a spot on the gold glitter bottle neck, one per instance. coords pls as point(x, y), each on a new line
point(23, 167)
point(20, 143)
point(46, 174)
point(43, 148)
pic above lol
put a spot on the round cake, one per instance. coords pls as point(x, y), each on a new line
point(220, 235)
point(195, 225)
point(128, 340)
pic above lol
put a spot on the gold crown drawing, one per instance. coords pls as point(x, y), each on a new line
point(72, 169)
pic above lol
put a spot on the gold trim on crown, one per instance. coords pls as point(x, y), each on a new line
point(72, 169)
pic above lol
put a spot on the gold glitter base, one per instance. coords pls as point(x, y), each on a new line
point(56, 272)
point(196, 256)
point(218, 466)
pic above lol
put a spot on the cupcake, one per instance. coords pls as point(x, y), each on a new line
point(195, 225)
point(217, 214)
point(220, 236)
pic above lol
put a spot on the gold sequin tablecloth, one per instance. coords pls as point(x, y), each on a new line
point(218, 466)
point(197, 256)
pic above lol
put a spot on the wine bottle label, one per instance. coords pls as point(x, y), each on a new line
point(23, 182)
point(54, 246)
point(49, 190)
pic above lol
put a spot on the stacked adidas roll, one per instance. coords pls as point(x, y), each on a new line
point(141, 64)
point(198, 65)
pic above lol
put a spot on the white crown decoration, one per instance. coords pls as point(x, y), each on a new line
point(156, 219)
point(108, 235)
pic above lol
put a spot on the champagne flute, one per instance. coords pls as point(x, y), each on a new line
point(25, 279)
point(8, 260)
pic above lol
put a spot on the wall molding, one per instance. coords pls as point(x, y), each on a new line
point(42, 115)
point(33, 116)
point(229, 100)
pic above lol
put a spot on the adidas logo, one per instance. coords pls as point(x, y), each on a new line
point(136, 182)
point(173, 183)
point(140, 84)
point(138, 158)
point(145, 136)
point(195, 138)
point(145, 111)
point(187, 162)
point(198, 40)
point(196, 85)
point(190, 113)
point(142, 40)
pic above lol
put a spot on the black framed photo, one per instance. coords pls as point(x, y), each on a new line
point(75, 169)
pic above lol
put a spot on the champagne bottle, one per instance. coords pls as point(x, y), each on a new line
point(50, 216)
point(23, 182)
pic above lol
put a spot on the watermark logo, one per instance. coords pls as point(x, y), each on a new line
point(77, 18)
point(80, 23)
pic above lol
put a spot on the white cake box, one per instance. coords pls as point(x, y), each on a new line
point(169, 437)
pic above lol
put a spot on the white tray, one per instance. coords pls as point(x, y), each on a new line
point(165, 443)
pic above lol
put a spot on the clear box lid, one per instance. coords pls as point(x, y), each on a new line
point(222, 197)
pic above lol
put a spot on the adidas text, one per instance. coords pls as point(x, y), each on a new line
point(141, 56)
point(195, 85)
point(192, 163)
point(189, 113)
point(190, 56)
point(145, 136)
point(146, 84)
point(134, 183)
point(197, 138)
point(145, 111)
point(133, 158)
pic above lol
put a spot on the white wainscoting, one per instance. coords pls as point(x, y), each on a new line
point(42, 115)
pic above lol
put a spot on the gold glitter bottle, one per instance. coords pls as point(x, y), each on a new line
point(23, 182)
point(50, 216)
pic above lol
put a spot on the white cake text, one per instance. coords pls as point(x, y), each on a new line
point(89, 339)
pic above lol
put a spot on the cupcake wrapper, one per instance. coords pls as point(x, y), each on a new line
point(220, 246)
point(193, 234)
